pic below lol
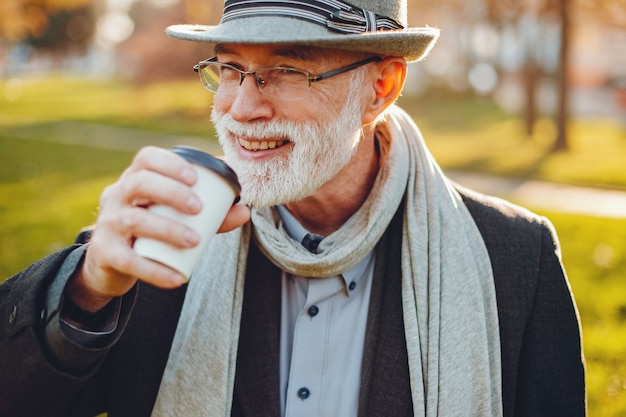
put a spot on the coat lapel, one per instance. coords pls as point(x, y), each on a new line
point(257, 374)
point(385, 384)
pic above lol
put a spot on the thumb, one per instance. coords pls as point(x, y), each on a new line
point(237, 216)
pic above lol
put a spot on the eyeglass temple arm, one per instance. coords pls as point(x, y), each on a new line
point(345, 69)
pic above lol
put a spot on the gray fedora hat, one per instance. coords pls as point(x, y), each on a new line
point(375, 26)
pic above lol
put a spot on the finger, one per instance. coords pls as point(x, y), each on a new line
point(237, 216)
point(164, 162)
point(111, 268)
point(131, 223)
point(149, 271)
point(128, 266)
point(147, 187)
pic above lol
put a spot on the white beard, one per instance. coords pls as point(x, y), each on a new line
point(320, 149)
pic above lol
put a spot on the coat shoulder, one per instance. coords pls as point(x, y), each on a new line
point(517, 240)
point(493, 215)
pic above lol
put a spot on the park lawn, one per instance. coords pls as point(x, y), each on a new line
point(51, 176)
point(178, 106)
point(472, 134)
point(48, 191)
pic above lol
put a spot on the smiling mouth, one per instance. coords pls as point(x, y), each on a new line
point(262, 145)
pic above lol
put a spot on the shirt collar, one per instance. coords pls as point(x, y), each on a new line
point(297, 232)
point(292, 226)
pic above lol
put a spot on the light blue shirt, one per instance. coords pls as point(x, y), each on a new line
point(323, 323)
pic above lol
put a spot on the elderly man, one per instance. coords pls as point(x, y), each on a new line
point(354, 280)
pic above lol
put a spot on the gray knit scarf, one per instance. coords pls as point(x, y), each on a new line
point(449, 303)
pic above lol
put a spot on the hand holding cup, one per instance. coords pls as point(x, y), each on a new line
point(156, 177)
point(218, 189)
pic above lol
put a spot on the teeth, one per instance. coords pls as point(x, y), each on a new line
point(263, 145)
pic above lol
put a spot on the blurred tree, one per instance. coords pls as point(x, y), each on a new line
point(538, 12)
point(151, 55)
point(611, 12)
point(523, 14)
point(529, 19)
point(54, 25)
point(562, 113)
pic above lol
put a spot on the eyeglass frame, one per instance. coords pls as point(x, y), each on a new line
point(259, 81)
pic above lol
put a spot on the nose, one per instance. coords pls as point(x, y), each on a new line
point(248, 103)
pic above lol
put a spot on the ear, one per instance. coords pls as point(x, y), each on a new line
point(388, 82)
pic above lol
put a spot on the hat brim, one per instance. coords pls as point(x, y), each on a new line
point(413, 43)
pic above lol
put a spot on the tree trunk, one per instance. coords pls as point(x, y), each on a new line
point(561, 143)
point(531, 76)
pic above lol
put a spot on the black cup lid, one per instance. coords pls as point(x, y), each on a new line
point(220, 167)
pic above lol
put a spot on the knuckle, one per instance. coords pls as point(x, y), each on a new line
point(105, 221)
point(131, 186)
point(144, 156)
point(128, 186)
point(107, 195)
point(131, 219)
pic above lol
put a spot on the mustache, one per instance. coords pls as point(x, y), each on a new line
point(263, 130)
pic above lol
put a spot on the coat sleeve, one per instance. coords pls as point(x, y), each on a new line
point(551, 372)
point(42, 371)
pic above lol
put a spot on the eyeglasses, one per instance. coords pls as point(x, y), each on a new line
point(281, 83)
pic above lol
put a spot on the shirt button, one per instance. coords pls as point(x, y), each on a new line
point(352, 286)
point(13, 315)
point(313, 310)
point(304, 393)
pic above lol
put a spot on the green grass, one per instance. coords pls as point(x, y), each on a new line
point(59, 98)
point(469, 133)
point(55, 162)
point(48, 191)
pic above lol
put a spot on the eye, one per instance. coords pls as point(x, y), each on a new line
point(229, 72)
point(234, 65)
point(285, 73)
point(291, 71)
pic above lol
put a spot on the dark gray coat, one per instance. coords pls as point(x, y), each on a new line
point(542, 364)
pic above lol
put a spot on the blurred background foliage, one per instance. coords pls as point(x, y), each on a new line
point(524, 89)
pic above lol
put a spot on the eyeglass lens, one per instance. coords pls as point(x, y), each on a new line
point(277, 82)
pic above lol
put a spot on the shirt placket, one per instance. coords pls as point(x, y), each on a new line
point(310, 348)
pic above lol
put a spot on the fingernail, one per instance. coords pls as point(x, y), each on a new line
point(194, 204)
point(188, 175)
point(191, 237)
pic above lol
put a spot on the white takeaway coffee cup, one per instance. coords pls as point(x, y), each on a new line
point(218, 188)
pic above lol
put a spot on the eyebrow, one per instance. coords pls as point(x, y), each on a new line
point(221, 49)
point(298, 53)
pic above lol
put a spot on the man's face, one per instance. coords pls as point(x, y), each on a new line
point(283, 151)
